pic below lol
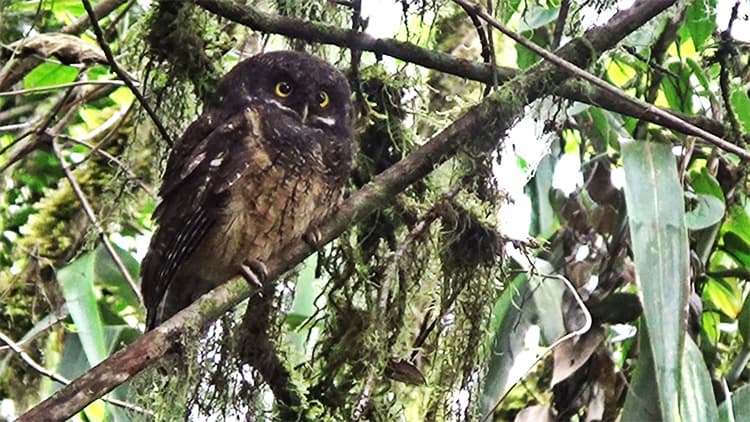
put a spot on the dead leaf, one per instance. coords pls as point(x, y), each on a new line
point(69, 49)
point(404, 371)
point(572, 354)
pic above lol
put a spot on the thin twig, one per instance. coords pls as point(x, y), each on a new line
point(562, 18)
point(577, 71)
point(89, 211)
point(36, 366)
point(59, 86)
point(121, 73)
point(105, 154)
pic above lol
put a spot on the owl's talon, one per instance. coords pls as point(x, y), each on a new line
point(313, 237)
point(255, 272)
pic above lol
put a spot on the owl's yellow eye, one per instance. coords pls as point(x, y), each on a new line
point(323, 99)
point(283, 89)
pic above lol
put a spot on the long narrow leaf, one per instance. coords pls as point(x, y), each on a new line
point(656, 213)
point(77, 283)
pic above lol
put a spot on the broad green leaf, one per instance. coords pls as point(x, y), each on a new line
point(305, 293)
point(512, 316)
point(77, 284)
point(525, 58)
point(699, 73)
point(741, 104)
point(697, 401)
point(620, 73)
point(49, 73)
point(536, 17)
point(108, 275)
point(707, 211)
point(678, 90)
point(701, 20)
point(743, 323)
point(740, 406)
point(543, 218)
point(509, 327)
point(642, 400)
point(704, 182)
point(724, 294)
point(738, 222)
point(661, 253)
point(737, 247)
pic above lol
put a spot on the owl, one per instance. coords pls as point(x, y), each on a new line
point(259, 169)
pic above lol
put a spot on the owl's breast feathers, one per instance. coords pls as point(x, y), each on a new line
point(239, 185)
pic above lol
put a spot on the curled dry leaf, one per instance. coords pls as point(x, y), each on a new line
point(69, 49)
point(572, 354)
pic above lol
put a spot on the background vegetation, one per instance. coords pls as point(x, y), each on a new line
point(589, 264)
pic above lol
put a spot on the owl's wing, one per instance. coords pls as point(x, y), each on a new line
point(211, 157)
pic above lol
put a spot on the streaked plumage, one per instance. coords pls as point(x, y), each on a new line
point(255, 172)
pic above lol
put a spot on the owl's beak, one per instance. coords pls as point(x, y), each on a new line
point(304, 114)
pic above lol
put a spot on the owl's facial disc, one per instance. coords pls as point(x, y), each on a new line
point(311, 103)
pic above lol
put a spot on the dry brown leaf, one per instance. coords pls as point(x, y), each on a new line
point(69, 49)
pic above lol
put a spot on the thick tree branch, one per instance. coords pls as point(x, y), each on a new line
point(614, 91)
point(480, 128)
point(575, 90)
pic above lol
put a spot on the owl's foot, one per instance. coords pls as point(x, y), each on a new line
point(254, 271)
point(313, 238)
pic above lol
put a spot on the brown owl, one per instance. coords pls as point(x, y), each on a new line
point(264, 164)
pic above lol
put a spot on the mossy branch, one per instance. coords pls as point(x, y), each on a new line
point(575, 90)
point(482, 126)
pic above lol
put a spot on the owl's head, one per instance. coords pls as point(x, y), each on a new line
point(295, 83)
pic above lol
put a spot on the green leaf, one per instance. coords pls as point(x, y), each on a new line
point(49, 73)
point(305, 293)
point(737, 248)
point(701, 20)
point(697, 402)
point(536, 17)
point(510, 322)
point(708, 210)
point(704, 182)
point(509, 327)
point(661, 253)
point(741, 105)
point(77, 284)
point(743, 323)
point(642, 400)
point(108, 275)
point(738, 222)
point(740, 405)
point(543, 219)
point(724, 294)
point(678, 91)
point(699, 73)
